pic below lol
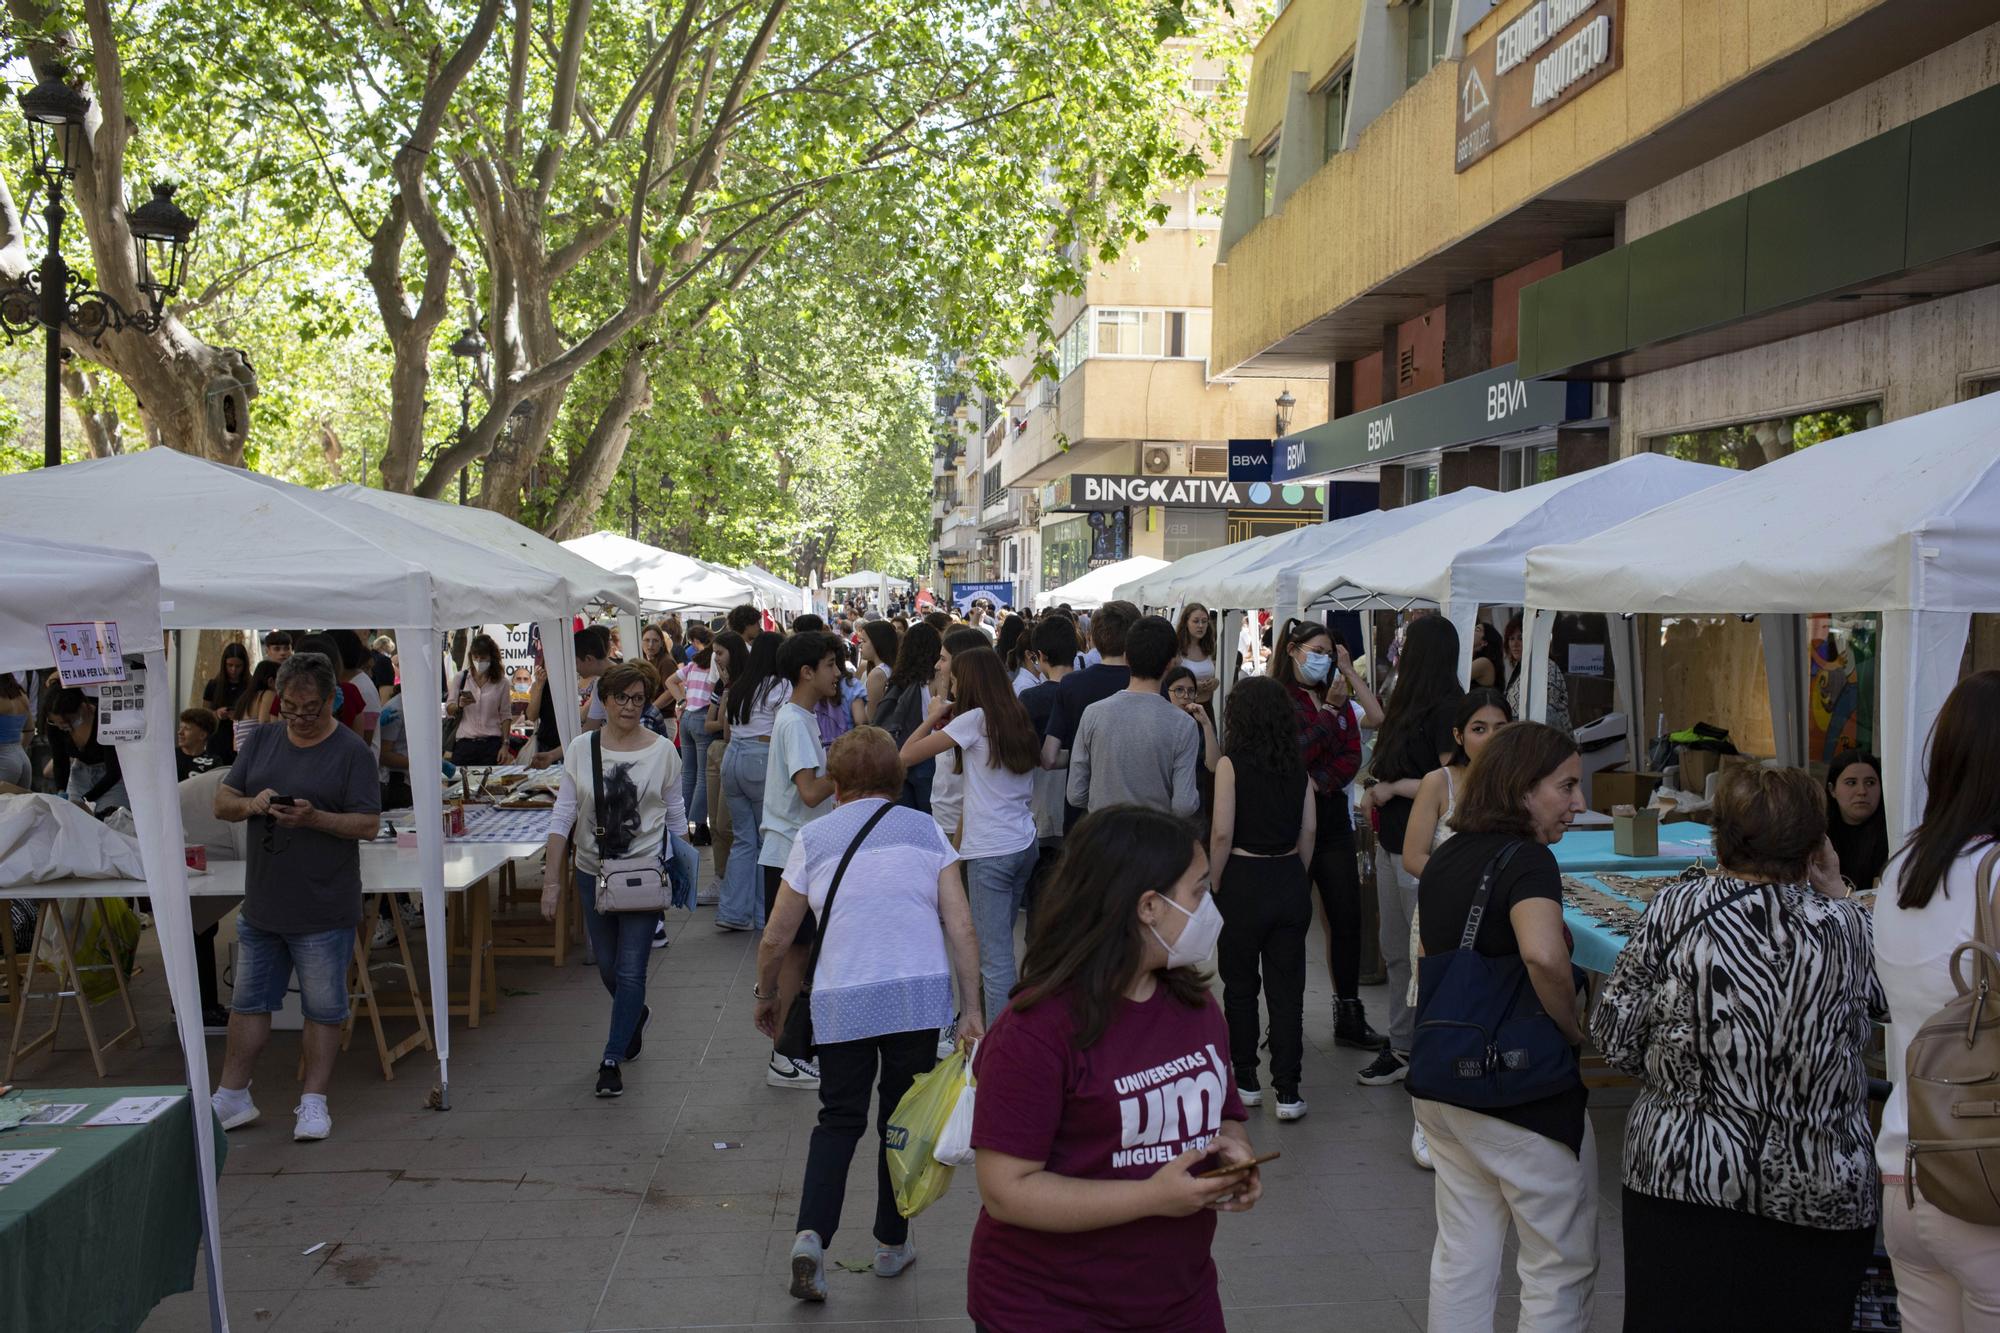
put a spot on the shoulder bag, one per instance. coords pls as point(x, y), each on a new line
point(628, 883)
point(1483, 1041)
point(795, 1041)
point(1952, 1073)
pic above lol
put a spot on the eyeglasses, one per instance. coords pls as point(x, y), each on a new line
point(629, 700)
point(294, 714)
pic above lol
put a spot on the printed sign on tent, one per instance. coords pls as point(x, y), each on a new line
point(86, 652)
point(121, 709)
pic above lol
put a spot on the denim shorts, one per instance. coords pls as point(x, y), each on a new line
point(265, 963)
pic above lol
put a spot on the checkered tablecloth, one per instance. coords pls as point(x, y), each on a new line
point(484, 823)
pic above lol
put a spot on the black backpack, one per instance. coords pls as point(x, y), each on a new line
point(901, 712)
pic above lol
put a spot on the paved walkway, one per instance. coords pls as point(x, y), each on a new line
point(532, 1205)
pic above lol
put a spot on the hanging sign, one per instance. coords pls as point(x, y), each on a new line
point(121, 708)
point(86, 652)
point(1538, 62)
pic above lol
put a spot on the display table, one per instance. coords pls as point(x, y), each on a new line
point(1598, 940)
point(93, 1237)
point(1584, 851)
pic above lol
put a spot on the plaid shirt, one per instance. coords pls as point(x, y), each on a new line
point(1330, 742)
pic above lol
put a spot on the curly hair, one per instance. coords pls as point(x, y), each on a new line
point(1262, 727)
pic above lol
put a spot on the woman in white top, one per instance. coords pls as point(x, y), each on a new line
point(642, 802)
point(755, 695)
point(879, 643)
point(897, 936)
point(481, 701)
point(1947, 1270)
point(1480, 715)
point(998, 756)
point(1196, 635)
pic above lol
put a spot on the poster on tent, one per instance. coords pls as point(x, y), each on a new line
point(1842, 683)
point(517, 659)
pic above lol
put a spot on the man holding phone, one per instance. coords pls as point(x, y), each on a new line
point(310, 785)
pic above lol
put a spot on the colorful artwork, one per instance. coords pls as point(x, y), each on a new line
point(1842, 672)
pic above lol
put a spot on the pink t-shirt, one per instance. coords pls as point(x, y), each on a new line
point(1157, 1083)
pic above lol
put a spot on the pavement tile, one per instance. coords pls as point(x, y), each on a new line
point(361, 1310)
point(489, 1304)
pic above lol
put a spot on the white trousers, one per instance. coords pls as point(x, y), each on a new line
point(1488, 1174)
point(1947, 1271)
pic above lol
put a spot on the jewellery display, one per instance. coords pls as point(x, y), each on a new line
point(1615, 914)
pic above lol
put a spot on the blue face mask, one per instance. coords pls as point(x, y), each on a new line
point(1317, 666)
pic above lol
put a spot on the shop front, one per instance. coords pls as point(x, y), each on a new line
point(1092, 519)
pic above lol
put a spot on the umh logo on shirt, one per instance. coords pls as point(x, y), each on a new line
point(1167, 1109)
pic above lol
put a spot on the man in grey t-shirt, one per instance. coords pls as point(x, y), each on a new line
point(309, 786)
point(1136, 747)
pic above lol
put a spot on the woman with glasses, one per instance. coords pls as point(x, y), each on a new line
point(642, 803)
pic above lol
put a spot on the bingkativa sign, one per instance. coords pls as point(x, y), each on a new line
point(1543, 57)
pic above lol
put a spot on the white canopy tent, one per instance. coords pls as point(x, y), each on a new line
point(1918, 539)
point(862, 579)
point(49, 582)
point(1099, 585)
point(782, 596)
point(235, 548)
point(667, 580)
point(1163, 587)
point(1474, 554)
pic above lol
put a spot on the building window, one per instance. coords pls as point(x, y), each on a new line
point(1752, 444)
point(1204, 86)
point(1333, 105)
point(1428, 22)
point(1271, 179)
point(1527, 465)
point(1420, 484)
point(1065, 551)
point(1981, 386)
point(995, 492)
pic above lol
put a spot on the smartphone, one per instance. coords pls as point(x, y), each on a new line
point(1221, 1171)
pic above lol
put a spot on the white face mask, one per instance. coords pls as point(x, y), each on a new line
point(482, 664)
point(1197, 937)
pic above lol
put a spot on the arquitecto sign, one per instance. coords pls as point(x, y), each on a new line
point(1087, 491)
point(1545, 55)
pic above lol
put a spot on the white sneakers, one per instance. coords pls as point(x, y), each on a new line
point(785, 1073)
point(383, 935)
point(1250, 1096)
point(1295, 1109)
point(313, 1121)
point(234, 1109)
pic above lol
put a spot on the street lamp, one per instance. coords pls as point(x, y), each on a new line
point(1285, 405)
point(469, 346)
point(666, 485)
point(53, 297)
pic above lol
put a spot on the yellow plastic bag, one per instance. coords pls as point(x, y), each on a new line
point(920, 1180)
point(99, 950)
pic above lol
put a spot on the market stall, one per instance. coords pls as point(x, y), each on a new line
point(1903, 519)
point(666, 580)
point(51, 583)
point(238, 548)
point(1099, 585)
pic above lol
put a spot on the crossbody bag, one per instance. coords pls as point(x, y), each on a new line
point(626, 883)
point(796, 1042)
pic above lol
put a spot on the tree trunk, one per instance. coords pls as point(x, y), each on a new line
point(592, 470)
point(101, 428)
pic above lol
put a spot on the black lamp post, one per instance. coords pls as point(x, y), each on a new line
point(53, 297)
point(1285, 405)
point(469, 347)
point(632, 476)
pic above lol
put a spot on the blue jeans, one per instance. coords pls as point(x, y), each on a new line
point(683, 865)
point(694, 764)
point(622, 943)
point(742, 894)
point(994, 886)
point(265, 961)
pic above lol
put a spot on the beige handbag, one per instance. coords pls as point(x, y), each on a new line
point(630, 883)
point(1952, 1080)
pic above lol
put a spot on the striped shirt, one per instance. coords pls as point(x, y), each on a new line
point(700, 685)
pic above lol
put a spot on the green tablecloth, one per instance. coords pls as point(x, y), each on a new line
point(95, 1236)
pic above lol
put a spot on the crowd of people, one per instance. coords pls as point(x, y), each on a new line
point(884, 798)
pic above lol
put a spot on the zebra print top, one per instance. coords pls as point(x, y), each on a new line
point(1748, 1027)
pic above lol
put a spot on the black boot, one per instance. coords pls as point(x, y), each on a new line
point(1350, 1027)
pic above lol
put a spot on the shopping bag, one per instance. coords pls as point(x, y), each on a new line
point(954, 1146)
point(911, 1139)
point(97, 952)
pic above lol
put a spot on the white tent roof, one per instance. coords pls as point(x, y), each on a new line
point(868, 578)
point(336, 561)
point(1161, 586)
point(787, 596)
point(588, 581)
point(667, 580)
point(49, 582)
point(1902, 517)
point(1273, 575)
point(1099, 585)
point(1477, 552)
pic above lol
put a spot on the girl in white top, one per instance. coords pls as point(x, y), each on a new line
point(1196, 634)
point(1947, 1270)
point(998, 757)
point(642, 801)
point(1480, 716)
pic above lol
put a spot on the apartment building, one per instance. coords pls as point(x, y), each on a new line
point(1520, 240)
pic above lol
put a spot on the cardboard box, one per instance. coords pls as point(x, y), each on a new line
point(1636, 834)
point(1696, 768)
point(1620, 786)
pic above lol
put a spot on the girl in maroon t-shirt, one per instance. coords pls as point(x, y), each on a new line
point(1104, 1090)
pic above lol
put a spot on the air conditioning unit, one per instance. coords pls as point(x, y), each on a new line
point(1209, 460)
point(1162, 460)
